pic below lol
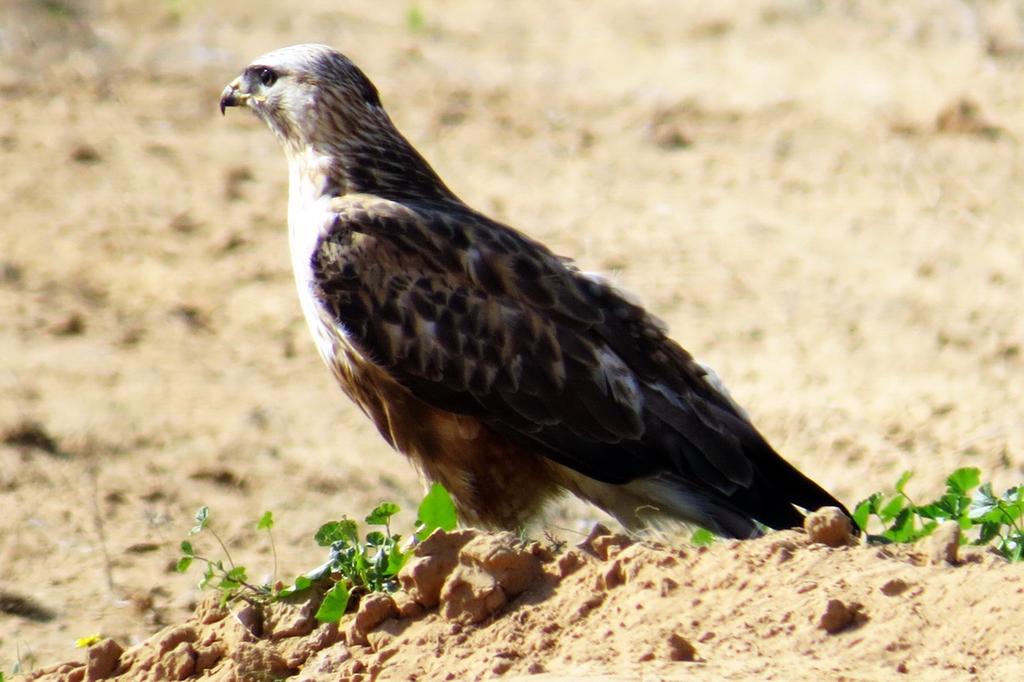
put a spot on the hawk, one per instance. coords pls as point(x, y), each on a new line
point(499, 368)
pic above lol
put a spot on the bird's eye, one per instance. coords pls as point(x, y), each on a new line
point(267, 77)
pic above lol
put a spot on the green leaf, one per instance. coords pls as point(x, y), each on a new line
point(375, 538)
point(946, 507)
point(183, 564)
point(396, 560)
point(237, 574)
point(989, 530)
point(334, 604)
point(964, 479)
point(301, 583)
point(902, 528)
point(266, 521)
point(702, 537)
point(894, 507)
point(902, 482)
point(202, 518)
point(926, 530)
point(186, 548)
point(864, 509)
point(337, 531)
point(382, 513)
point(207, 577)
point(435, 511)
point(982, 502)
point(228, 585)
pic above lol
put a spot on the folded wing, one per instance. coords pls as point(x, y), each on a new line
point(475, 318)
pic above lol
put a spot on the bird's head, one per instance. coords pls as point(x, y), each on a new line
point(329, 118)
point(309, 95)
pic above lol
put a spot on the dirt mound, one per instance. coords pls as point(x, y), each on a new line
point(475, 606)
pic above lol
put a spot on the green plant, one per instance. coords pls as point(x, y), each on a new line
point(355, 565)
point(989, 519)
point(230, 579)
point(372, 565)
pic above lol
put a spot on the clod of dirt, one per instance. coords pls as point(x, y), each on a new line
point(256, 662)
point(70, 325)
point(668, 131)
point(432, 561)
point(829, 526)
point(568, 563)
point(406, 605)
point(170, 655)
point(290, 618)
point(514, 568)
point(602, 543)
point(11, 273)
point(193, 316)
point(210, 610)
point(894, 587)
point(297, 652)
point(219, 476)
point(234, 180)
point(374, 609)
point(470, 596)
point(963, 117)
point(86, 154)
point(31, 435)
point(183, 223)
point(838, 616)
point(944, 544)
point(102, 659)
point(611, 577)
point(491, 570)
point(24, 607)
point(679, 649)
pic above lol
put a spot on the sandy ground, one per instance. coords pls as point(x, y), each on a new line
point(775, 179)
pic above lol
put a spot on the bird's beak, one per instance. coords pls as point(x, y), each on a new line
point(232, 96)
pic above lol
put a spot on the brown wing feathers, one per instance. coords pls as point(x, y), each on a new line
point(483, 322)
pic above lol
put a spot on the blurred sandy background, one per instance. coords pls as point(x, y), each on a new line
point(823, 200)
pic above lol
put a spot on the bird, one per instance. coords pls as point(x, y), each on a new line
point(501, 370)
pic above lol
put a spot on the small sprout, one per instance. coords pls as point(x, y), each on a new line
point(202, 516)
point(266, 521)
